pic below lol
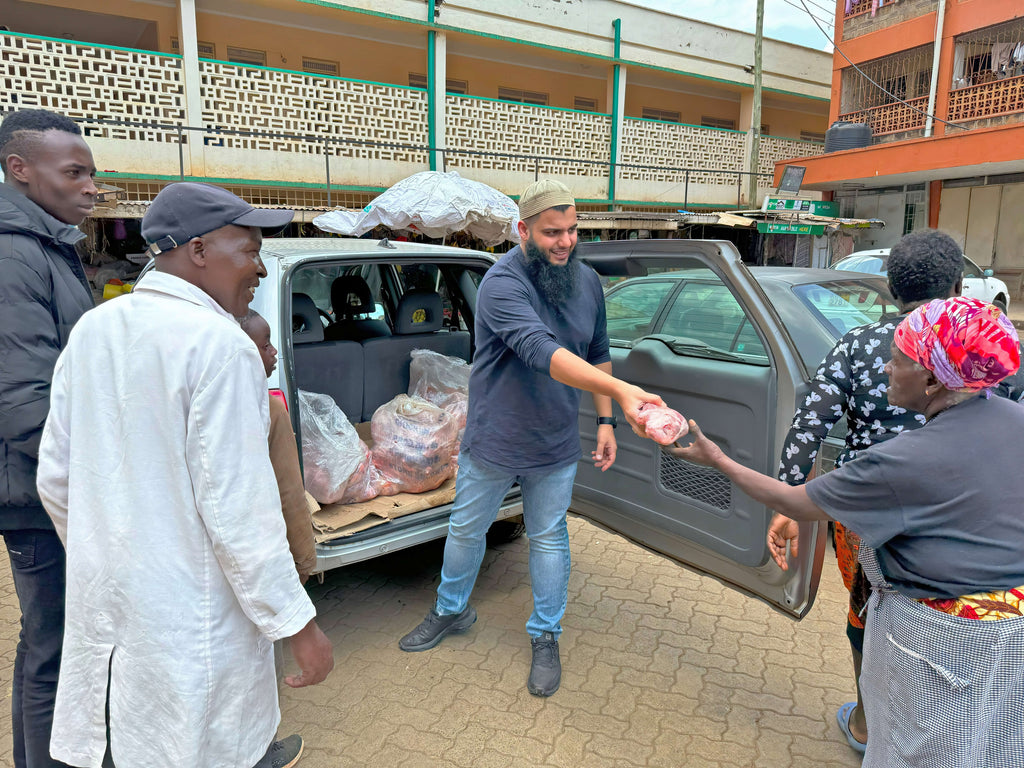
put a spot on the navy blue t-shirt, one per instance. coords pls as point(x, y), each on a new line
point(520, 419)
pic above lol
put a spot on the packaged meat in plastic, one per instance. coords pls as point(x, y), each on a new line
point(663, 425)
point(413, 445)
point(336, 464)
point(439, 379)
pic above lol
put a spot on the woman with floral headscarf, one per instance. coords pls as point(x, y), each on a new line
point(938, 510)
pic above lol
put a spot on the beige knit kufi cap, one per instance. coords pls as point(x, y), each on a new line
point(544, 194)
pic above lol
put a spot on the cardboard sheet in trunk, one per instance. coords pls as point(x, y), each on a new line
point(333, 521)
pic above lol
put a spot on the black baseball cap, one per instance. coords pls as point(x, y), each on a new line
point(186, 209)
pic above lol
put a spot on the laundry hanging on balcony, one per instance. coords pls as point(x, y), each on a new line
point(435, 204)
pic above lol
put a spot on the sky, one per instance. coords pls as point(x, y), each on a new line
point(782, 21)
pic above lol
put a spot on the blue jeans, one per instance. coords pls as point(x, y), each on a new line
point(37, 563)
point(479, 491)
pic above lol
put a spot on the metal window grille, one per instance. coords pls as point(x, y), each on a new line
point(988, 72)
point(721, 122)
point(905, 75)
point(523, 97)
point(652, 113)
point(584, 104)
point(247, 56)
point(320, 66)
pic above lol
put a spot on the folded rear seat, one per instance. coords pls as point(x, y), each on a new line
point(417, 325)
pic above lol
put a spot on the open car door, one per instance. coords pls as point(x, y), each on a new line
point(687, 321)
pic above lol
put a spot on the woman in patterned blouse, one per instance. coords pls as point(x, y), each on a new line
point(924, 265)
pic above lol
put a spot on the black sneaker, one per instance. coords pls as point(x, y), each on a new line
point(432, 629)
point(546, 668)
point(282, 754)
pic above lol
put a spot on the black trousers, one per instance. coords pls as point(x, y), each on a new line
point(37, 563)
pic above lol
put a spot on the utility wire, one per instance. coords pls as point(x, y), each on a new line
point(831, 10)
point(904, 102)
point(823, 20)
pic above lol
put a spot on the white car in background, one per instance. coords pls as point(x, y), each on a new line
point(978, 283)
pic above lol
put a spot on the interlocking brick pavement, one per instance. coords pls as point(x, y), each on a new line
point(661, 667)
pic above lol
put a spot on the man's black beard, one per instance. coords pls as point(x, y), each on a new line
point(556, 283)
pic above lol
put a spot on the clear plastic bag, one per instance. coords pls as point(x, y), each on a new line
point(337, 465)
point(414, 442)
point(441, 380)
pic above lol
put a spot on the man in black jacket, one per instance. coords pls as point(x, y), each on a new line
point(48, 190)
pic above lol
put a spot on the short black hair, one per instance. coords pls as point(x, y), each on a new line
point(248, 319)
point(20, 131)
point(924, 265)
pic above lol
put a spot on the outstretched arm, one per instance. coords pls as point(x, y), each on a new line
point(577, 372)
point(790, 500)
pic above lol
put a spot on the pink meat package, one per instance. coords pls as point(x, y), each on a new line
point(663, 425)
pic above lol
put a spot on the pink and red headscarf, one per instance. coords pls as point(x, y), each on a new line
point(969, 345)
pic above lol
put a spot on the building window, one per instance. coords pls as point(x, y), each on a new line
point(458, 87)
point(319, 66)
point(812, 136)
point(584, 104)
point(523, 97)
point(206, 50)
point(652, 113)
point(247, 56)
point(717, 122)
point(764, 129)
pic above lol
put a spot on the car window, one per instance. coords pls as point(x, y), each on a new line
point(631, 307)
point(876, 265)
point(315, 281)
point(971, 269)
point(708, 313)
point(844, 305)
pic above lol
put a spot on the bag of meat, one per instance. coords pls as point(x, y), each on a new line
point(336, 464)
point(663, 425)
point(441, 380)
point(413, 445)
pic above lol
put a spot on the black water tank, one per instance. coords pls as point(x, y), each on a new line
point(843, 135)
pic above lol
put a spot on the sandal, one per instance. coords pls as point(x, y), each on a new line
point(843, 716)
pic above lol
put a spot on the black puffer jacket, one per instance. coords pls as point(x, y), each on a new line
point(43, 292)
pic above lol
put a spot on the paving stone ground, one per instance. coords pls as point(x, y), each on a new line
point(661, 667)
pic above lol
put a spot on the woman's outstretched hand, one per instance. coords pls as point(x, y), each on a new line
point(700, 450)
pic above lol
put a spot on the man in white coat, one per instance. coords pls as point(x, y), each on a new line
point(155, 470)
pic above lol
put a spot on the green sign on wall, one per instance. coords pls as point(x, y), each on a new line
point(781, 228)
point(816, 207)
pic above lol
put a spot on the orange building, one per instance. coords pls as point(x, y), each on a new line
point(961, 62)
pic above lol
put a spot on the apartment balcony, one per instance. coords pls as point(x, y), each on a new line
point(993, 103)
point(863, 16)
point(262, 128)
point(892, 122)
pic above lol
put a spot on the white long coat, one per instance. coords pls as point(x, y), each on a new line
point(155, 469)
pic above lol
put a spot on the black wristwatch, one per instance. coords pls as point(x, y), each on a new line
point(607, 420)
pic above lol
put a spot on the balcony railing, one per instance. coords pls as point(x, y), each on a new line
point(897, 117)
point(856, 8)
point(282, 128)
point(976, 102)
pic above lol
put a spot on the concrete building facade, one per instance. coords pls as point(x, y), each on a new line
point(315, 103)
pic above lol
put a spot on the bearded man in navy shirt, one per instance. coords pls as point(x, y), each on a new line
point(541, 338)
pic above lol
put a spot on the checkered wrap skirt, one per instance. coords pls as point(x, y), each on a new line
point(939, 691)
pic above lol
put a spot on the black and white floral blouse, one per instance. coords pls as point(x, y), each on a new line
point(852, 381)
